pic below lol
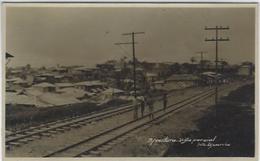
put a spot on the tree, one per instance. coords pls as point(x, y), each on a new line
point(246, 63)
point(223, 64)
point(28, 67)
point(193, 60)
point(187, 68)
point(43, 68)
point(206, 63)
point(175, 68)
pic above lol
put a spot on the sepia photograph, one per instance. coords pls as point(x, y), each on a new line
point(129, 80)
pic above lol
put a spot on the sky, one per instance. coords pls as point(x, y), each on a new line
point(47, 36)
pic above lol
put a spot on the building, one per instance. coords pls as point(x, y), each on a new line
point(151, 77)
point(45, 87)
point(209, 78)
point(245, 70)
point(44, 77)
point(183, 80)
point(91, 86)
point(64, 85)
point(16, 83)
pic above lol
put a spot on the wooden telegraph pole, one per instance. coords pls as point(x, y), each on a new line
point(216, 40)
point(132, 34)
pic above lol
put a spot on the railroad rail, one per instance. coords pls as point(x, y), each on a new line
point(105, 139)
point(21, 137)
point(47, 124)
point(24, 136)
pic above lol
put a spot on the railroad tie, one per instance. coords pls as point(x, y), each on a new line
point(8, 147)
point(30, 139)
point(119, 140)
point(104, 148)
point(75, 126)
point(19, 135)
point(66, 128)
point(96, 153)
point(60, 129)
point(24, 141)
point(36, 136)
point(14, 144)
point(82, 123)
point(53, 132)
point(29, 132)
point(87, 155)
point(122, 138)
point(93, 122)
point(112, 143)
point(129, 134)
point(46, 134)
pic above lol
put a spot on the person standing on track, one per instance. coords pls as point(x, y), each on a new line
point(165, 101)
point(142, 100)
point(151, 107)
point(135, 106)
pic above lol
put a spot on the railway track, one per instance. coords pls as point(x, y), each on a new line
point(21, 137)
point(105, 139)
point(47, 124)
point(18, 133)
point(24, 136)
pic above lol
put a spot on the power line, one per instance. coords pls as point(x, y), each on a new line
point(127, 54)
point(217, 39)
point(133, 48)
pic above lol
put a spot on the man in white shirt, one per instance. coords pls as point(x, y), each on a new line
point(135, 106)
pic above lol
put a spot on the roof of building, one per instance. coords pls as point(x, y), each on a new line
point(74, 92)
point(60, 68)
point(180, 77)
point(90, 83)
point(13, 79)
point(33, 91)
point(20, 81)
point(112, 90)
point(64, 84)
point(139, 69)
point(44, 84)
point(128, 80)
point(211, 74)
point(44, 99)
point(45, 75)
point(57, 99)
point(59, 76)
point(118, 70)
point(245, 66)
point(151, 75)
point(84, 68)
point(158, 82)
point(7, 55)
point(15, 98)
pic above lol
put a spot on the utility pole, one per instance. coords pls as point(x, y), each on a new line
point(216, 40)
point(132, 34)
point(201, 59)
